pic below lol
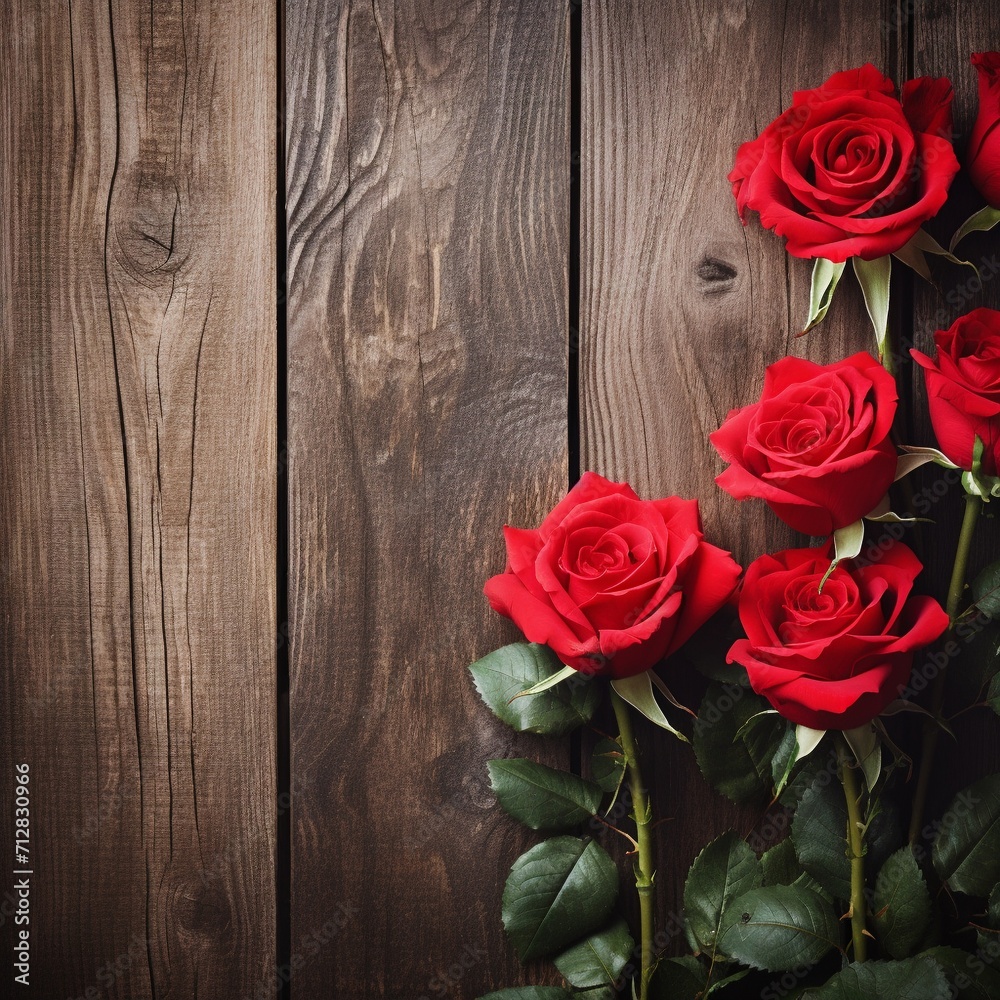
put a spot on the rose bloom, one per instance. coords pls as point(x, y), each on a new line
point(612, 583)
point(984, 144)
point(963, 388)
point(849, 170)
point(836, 659)
point(816, 447)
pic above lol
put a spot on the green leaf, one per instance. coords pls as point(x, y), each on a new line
point(913, 457)
point(638, 692)
point(599, 959)
point(549, 682)
point(993, 694)
point(825, 277)
point(970, 976)
point(738, 766)
point(541, 797)
point(979, 660)
point(991, 937)
point(913, 979)
point(596, 993)
point(901, 905)
point(873, 276)
point(678, 979)
point(819, 833)
point(557, 892)
point(529, 993)
point(779, 865)
point(867, 750)
point(607, 765)
point(778, 927)
point(966, 851)
point(985, 591)
point(785, 757)
point(914, 254)
point(979, 222)
point(505, 672)
point(721, 984)
point(725, 869)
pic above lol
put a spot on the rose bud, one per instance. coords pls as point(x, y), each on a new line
point(816, 447)
point(611, 583)
point(984, 144)
point(850, 170)
point(833, 658)
point(963, 388)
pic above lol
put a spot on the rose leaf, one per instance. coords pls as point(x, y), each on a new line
point(504, 673)
point(970, 977)
point(919, 978)
point(725, 869)
point(966, 851)
point(557, 892)
point(778, 927)
point(901, 905)
point(598, 959)
point(738, 766)
point(541, 797)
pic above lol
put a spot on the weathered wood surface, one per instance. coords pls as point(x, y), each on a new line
point(428, 194)
point(430, 362)
point(137, 491)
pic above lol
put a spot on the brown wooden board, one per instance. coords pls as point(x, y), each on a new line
point(682, 308)
point(427, 202)
point(137, 492)
point(944, 36)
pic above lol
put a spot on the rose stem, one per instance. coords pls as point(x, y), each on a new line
point(973, 507)
point(643, 824)
point(855, 841)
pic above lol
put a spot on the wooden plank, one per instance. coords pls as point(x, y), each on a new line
point(682, 308)
point(428, 245)
point(137, 495)
point(943, 39)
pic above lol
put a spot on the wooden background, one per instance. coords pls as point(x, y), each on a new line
point(254, 463)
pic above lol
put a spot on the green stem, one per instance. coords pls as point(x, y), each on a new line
point(932, 731)
point(855, 842)
point(644, 871)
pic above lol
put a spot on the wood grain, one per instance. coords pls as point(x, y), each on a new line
point(682, 308)
point(137, 494)
point(427, 160)
point(944, 36)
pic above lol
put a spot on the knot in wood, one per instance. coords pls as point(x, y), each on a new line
point(203, 910)
point(716, 275)
point(146, 223)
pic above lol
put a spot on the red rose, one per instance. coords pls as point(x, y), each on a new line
point(816, 447)
point(836, 659)
point(984, 143)
point(610, 582)
point(963, 388)
point(849, 170)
